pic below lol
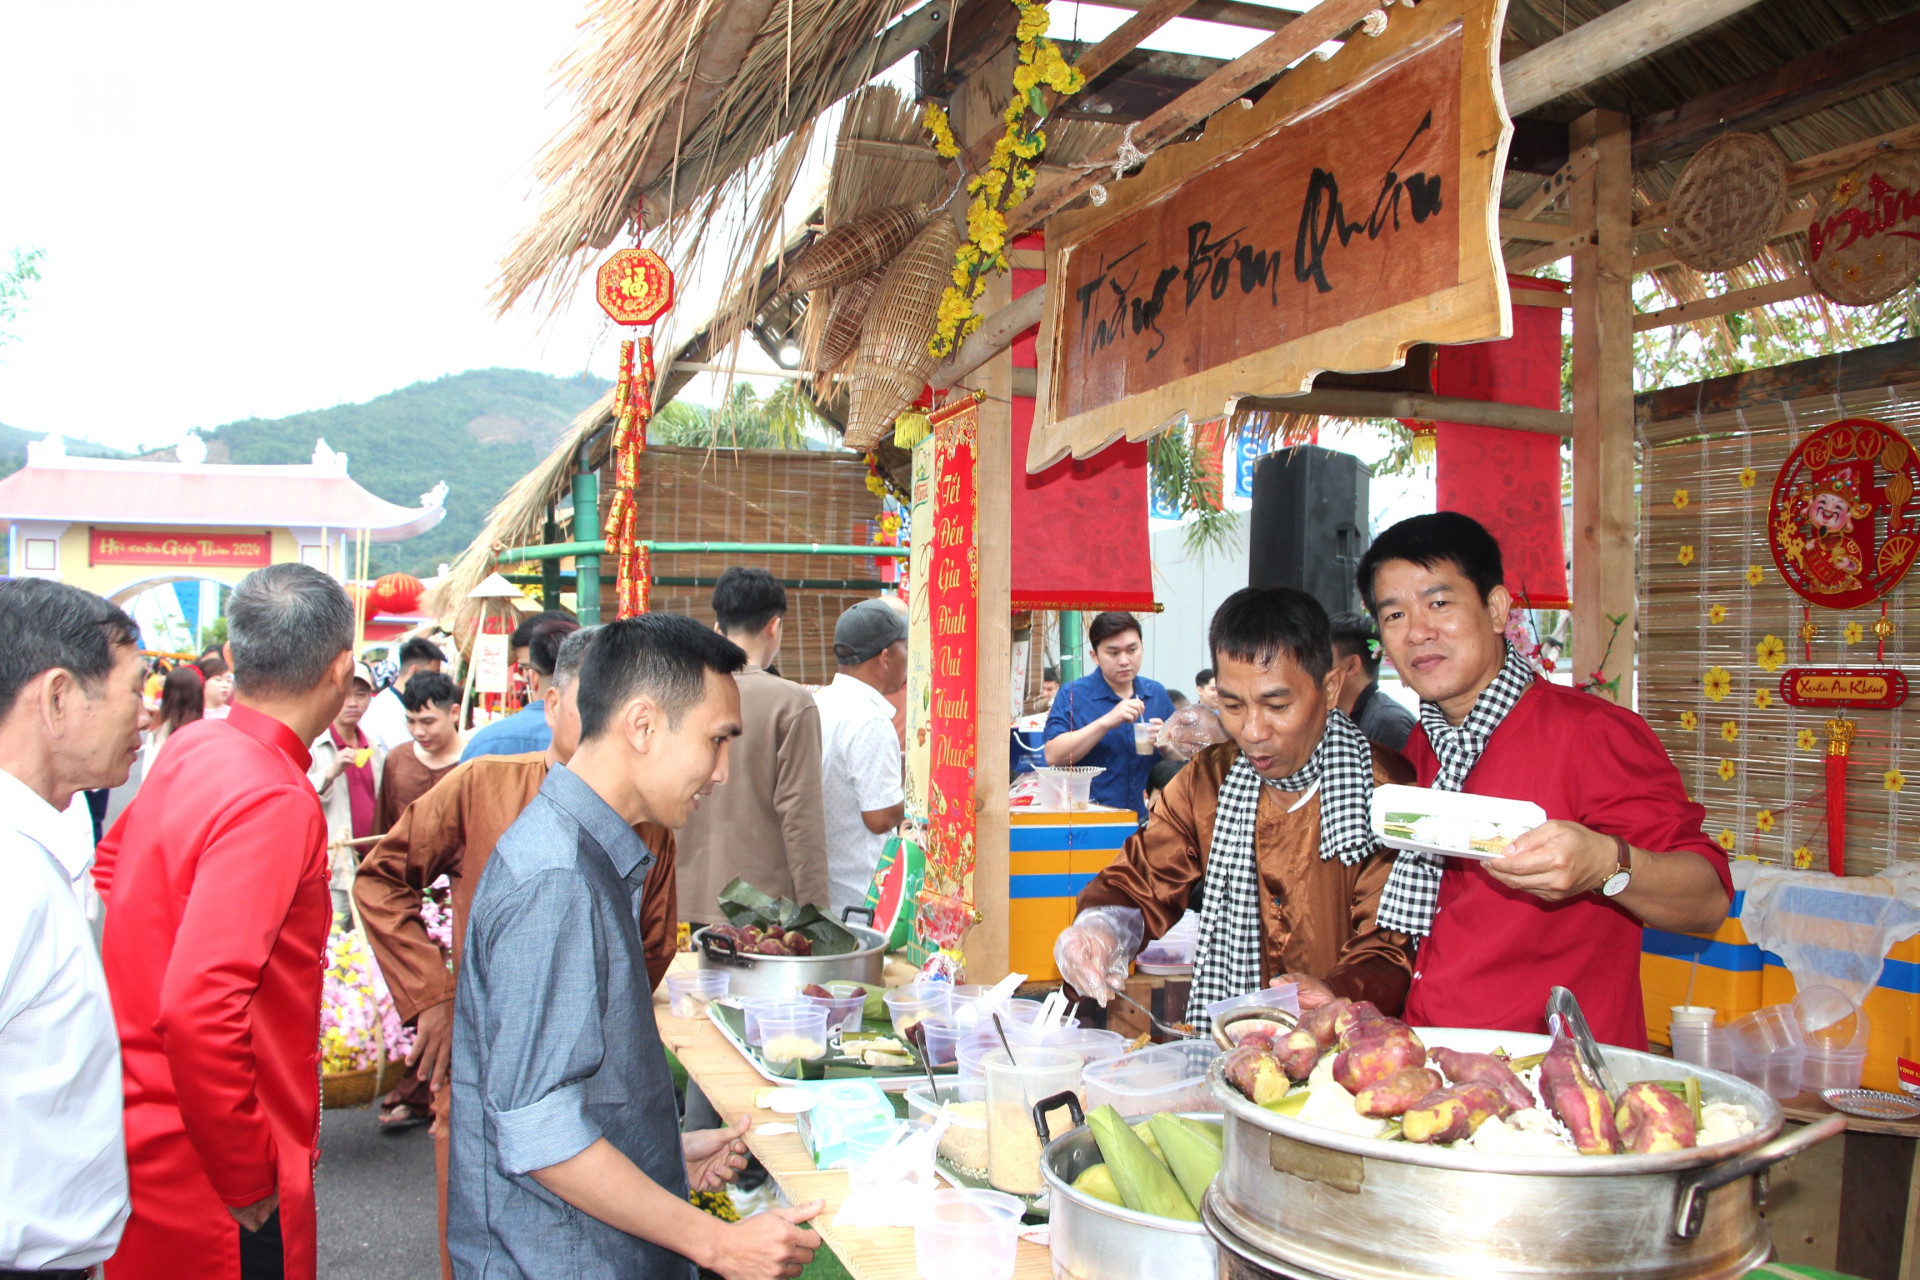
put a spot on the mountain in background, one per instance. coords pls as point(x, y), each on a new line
point(13, 449)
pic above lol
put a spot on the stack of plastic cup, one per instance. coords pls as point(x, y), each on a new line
point(1769, 1049)
point(1837, 1031)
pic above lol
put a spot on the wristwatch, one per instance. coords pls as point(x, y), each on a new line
point(1623, 874)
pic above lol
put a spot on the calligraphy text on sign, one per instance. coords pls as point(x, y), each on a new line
point(1866, 688)
point(1351, 210)
point(953, 598)
point(185, 549)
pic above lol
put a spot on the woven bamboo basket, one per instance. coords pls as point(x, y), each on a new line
point(893, 362)
point(358, 1088)
point(856, 247)
point(1728, 201)
point(849, 307)
point(1871, 268)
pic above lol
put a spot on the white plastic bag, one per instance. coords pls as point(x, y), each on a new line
point(895, 1186)
point(1834, 930)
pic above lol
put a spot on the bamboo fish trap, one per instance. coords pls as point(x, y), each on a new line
point(849, 307)
point(893, 362)
point(856, 247)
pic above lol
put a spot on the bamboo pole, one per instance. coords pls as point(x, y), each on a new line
point(561, 550)
point(1724, 304)
point(1611, 41)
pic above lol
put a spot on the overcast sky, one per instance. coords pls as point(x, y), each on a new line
point(256, 209)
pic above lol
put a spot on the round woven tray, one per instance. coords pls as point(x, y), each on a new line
point(1870, 268)
point(358, 1088)
point(1728, 201)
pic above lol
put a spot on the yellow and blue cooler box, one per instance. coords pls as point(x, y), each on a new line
point(1053, 857)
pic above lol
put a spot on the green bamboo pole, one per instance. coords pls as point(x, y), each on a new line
point(1069, 645)
point(586, 515)
point(585, 550)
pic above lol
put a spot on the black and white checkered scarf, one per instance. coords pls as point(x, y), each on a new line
point(1226, 962)
point(1413, 889)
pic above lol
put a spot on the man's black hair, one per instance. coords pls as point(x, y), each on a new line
point(1051, 675)
point(746, 600)
point(419, 652)
point(662, 655)
point(50, 624)
point(1105, 626)
point(523, 631)
point(1355, 633)
point(1204, 676)
point(543, 643)
point(1162, 773)
point(431, 687)
point(1255, 624)
point(1445, 537)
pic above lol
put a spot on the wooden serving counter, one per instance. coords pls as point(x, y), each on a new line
point(729, 1081)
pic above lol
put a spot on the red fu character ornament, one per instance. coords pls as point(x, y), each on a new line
point(1842, 524)
point(634, 287)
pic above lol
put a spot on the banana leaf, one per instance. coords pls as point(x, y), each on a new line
point(744, 905)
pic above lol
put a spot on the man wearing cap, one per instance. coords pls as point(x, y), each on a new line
point(859, 753)
point(346, 772)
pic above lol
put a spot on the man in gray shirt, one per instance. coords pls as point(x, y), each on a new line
point(1356, 656)
point(567, 1160)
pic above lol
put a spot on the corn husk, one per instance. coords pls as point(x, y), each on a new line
point(849, 306)
point(892, 363)
point(1193, 1158)
point(1145, 1184)
point(857, 247)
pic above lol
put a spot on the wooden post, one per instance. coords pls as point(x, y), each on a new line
point(1603, 441)
point(977, 107)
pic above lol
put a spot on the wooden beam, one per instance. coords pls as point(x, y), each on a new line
point(1231, 13)
point(1859, 64)
point(1515, 227)
point(1326, 21)
point(1610, 42)
point(1580, 161)
point(1139, 84)
point(1603, 439)
point(995, 334)
point(1540, 298)
point(981, 30)
point(914, 31)
point(1724, 304)
point(1864, 369)
point(1533, 259)
point(1400, 404)
point(1124, 38)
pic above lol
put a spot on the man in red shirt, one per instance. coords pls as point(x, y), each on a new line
point(1623, 846)
point(217, 916)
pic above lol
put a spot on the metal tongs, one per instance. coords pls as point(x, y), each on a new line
point(1564, 1015)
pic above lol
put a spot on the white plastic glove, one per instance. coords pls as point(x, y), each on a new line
point(1094, 952)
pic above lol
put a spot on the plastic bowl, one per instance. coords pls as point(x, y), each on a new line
point(1769, 1049)
point(753, 1006)
point(1830, 1022)
point(1161, 1077)
point(796, 1033)
point(968, 1235)
point(1092, 1046)
point(1832, 1069)
point(943, 1041)
point(916, 1003)
point(845, 1009)
point(689, 994)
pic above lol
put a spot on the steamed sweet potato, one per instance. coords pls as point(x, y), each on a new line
point(1486, 1068)
point(1345, 1021)
point(1255, 1073)
point(1580, 1103)
point(1368, 1059)
point(1319, 1022)
point(1652, 1118)
point(1398, 1092)
point(1261, 1037)
point(1450, 1114)
point(1298, 1053)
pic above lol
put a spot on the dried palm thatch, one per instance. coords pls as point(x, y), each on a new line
point(893, 361)
point(629, 75)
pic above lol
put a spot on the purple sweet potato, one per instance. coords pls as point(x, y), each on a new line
point(1580, 1103)
point(1298, 1053)
point(1319, 1022)
point(1486, 1068)
point(1255, 1073)
point(1373, 1057)
point(1398, 1092)
point(1652, 1118)
point(1450, 1114)
point(1353, 1015)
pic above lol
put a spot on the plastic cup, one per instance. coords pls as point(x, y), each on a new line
point(982, 1040)
point(753, 1006)
point(845, 1008)
point(1770, 1049)
point(689, 994)
point(968, 1235)
point(963, 1105)
point(1143, 735)
point(795, 1033)
point(916, 1003)
point(1013, 1087)
point(943, 1041)
point(1699, 1015)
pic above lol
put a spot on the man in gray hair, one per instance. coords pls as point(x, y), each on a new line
point(217, 917)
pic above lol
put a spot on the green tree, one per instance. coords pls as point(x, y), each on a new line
point(15, 284)
point(743, 421)
point(213, 634)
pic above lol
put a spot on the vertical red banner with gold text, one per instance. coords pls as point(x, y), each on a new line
point(953, 597)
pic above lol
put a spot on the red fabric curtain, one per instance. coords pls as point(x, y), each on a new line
point(1509, 480)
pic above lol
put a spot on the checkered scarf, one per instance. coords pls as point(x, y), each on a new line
point(1413, 889)
point(1226, 962)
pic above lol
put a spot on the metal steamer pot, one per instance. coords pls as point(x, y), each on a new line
point(1093, 1240)
point(758, 975)
point(1306, 1200)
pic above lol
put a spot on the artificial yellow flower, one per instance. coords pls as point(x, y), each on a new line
point(1730, 730)
point(1727, 839)
point(1034, 21)
point(1718, 683)
point(935, 121)
point(1763, 821)
point(1025, 77)
point(1893, 780)
point(1854, 633)
point(1802, 858)
point(1762, 698)
point(1770, 653)
point(1754, 575)
point(1727, 769)
point(1680, 499)
point(1689, 721)
point(1686, 554)
point(1804, 740)
point(1716, 614)
point(1747, 476)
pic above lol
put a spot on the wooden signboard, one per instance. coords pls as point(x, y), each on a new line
point(1349, 214)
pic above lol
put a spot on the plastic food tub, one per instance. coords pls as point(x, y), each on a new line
point(917, 1002)
point(689, 994)
point(963, 1105)
point(1092, 1046)
point(968, 1235)
point(982, 1040)
point(1285, 998)
point(1704, 1045)
point(1769, 1049)
point(844, 1007)
point(1836, 1031)
point(753, 1006)
point(795, 1033)
point(943, 1041)
point(1161, 1077)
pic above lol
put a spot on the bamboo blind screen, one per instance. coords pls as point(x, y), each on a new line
point(741, 495)
point(1705, 484)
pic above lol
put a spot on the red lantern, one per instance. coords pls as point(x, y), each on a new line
point(396, 593)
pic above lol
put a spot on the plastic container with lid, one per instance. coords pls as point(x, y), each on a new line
point(1014, 1085)
point(963, 1105)
point(968, 1235)
point(982, 1040)
point(917, 1002)
point(1160, 1077)
point(1769, 1049)
point(1091, 1045)
point(1836, 1031)
point(840, 1106)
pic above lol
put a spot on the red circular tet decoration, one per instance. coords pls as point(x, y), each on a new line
point(635, 286)
point(396, 593)
point(1842, 525)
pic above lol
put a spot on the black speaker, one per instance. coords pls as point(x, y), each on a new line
point(1309, 524)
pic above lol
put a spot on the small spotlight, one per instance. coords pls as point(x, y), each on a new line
point(789, 356)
